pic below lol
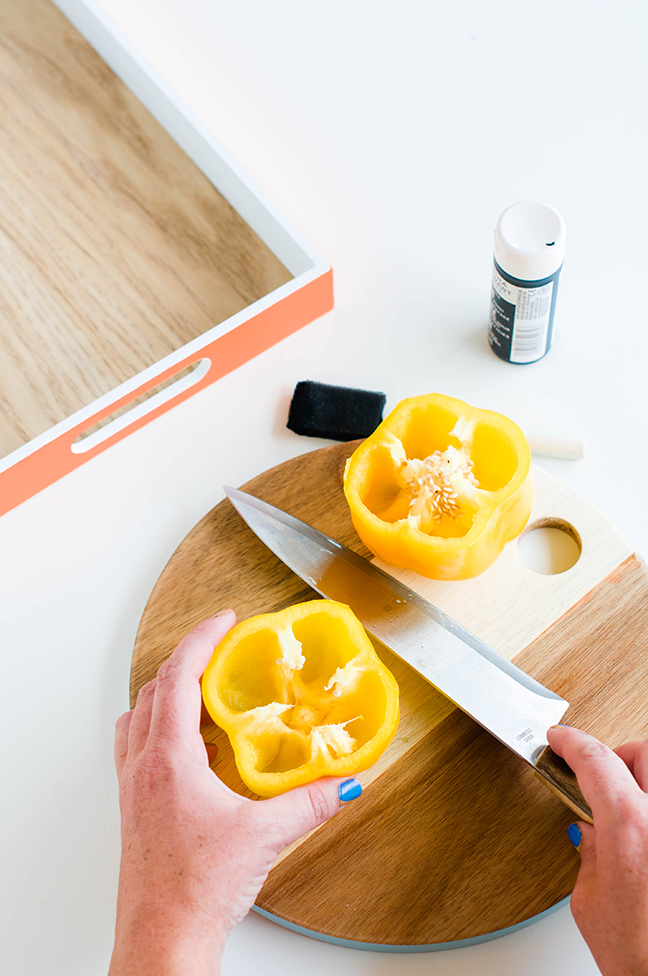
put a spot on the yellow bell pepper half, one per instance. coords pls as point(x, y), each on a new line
point(301, 694)
point(440, 487)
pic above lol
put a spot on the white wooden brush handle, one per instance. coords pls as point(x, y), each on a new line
point(558, 447)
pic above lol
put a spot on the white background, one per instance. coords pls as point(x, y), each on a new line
point(392, 135)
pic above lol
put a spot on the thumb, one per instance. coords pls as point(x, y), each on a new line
point(293, 814)
point(582, 835)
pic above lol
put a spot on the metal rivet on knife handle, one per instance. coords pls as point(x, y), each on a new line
point(557, 775)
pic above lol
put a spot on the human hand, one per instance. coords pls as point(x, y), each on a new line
point(610, 899)
point(194, 853)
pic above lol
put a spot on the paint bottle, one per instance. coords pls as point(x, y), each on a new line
point(528, 259)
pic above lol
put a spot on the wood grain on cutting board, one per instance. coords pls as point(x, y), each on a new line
point(115, 250)
point(454, 837)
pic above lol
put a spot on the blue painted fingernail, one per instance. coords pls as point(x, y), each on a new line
point(350, 789)
point(574, 834)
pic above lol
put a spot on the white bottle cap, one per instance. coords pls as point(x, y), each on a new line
point(530, 241)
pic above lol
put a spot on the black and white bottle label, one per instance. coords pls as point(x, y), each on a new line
point(519, 320)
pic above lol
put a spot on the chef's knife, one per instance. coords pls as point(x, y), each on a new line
point(508, 703)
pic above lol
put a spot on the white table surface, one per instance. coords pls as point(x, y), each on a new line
point(392, 135)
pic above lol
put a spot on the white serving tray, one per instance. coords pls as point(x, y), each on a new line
point(128, 405)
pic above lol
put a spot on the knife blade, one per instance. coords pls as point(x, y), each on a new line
point(507, 702)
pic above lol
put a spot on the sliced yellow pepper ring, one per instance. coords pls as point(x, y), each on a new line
point(440, 487)
point(301, 694)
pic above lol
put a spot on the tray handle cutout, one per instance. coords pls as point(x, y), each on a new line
point(140, 406)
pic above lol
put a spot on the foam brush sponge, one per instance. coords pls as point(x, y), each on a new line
point(335, 412)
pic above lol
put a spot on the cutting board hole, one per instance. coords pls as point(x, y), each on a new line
point(550, 546)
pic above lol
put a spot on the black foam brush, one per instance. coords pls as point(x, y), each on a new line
point(335, 412)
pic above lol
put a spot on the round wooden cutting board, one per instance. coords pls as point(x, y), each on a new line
point(454, 839)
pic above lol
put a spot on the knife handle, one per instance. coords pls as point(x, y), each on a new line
point(559, 778)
